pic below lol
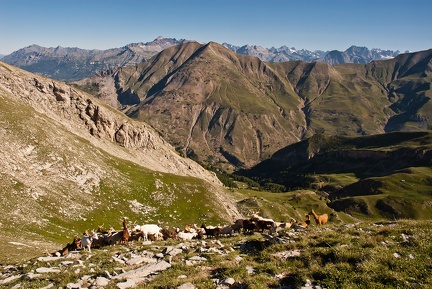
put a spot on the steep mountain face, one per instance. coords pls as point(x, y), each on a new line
point(69, 163)
point(210, 102)
point(72, 64)
point(230, 110)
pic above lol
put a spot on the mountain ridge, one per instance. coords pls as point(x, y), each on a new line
point(243, 109)
point(71, 64)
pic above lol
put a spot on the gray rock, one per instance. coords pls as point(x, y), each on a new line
point(73, 286)
point(167, 249)
point(159, 255)
point(197, 259)
point(175, 252)
point(10, 279)
point(85, 278)
point(187, 285)
point(47, 270)
point(144, 271)
point(107, 274)
point(101, 281)
point(288, 254)
point(250, 269)
point(228, 281)
point(48, 259)
point(118, 260)
point(128, 284)
point(141, 259)
point(31, 275)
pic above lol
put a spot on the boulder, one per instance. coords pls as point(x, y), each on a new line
point(144, 271)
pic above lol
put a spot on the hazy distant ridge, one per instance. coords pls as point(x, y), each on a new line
point(71, 64)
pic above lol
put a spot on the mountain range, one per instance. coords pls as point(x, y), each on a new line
point(350, 138)
point(230, 111)
point(71, 64)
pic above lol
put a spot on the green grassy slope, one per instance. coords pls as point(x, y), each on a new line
point(55, 182)
point(380, 176)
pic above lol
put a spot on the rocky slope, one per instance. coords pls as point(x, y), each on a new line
point(103, 127)
point(230, 110)
point(400, 250)
point(68, 161)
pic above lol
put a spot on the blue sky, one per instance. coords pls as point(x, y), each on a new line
point(314, 24)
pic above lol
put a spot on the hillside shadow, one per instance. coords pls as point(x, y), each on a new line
point(289, 282)
point(253, 247)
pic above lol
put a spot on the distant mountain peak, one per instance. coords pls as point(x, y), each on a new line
point(71, 64)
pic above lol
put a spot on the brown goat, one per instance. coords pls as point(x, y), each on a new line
point(126, 234)
point(237, 226)
point(167, 234)
point(248, 226)
point(306, 223)
point(319, 219)
point(211, 232)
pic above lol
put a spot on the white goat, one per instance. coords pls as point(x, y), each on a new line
point(149, 229)
point(186, 235)
point(87, 240)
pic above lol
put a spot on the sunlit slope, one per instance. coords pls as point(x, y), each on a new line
point(68, 163)
point(232, 111)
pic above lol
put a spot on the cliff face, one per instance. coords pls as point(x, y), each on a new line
point(97, 123)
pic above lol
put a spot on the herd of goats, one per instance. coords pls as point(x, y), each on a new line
point(153, 232)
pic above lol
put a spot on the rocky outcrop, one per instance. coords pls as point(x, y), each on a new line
point(78, 111)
